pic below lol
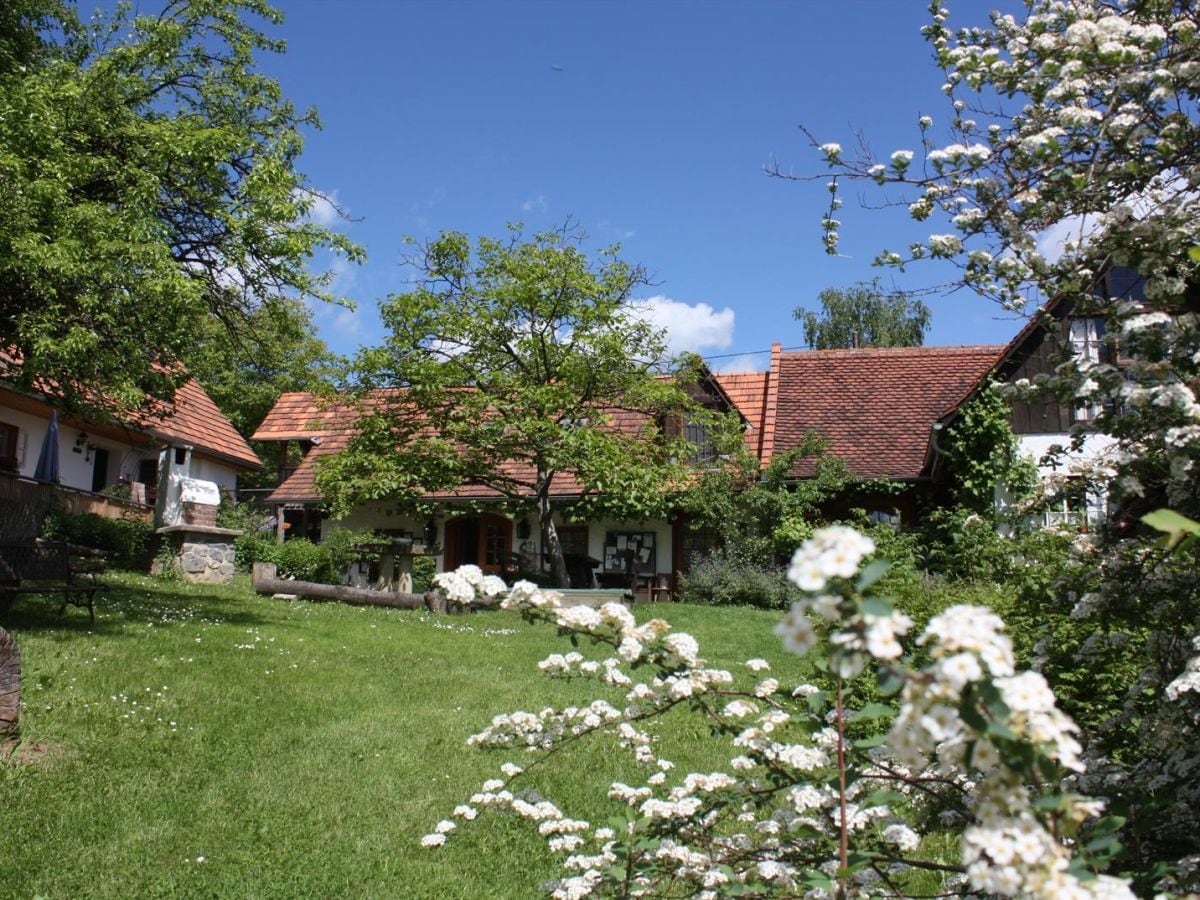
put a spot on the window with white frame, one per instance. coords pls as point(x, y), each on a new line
point(1074, 506)
point(1086, 335)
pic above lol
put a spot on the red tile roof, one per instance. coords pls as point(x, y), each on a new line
point(194, 419)
point(748, 391)
point(190, 418)
point(302, 416)
point(875, 406)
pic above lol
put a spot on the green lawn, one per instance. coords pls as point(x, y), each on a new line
point(206, 741)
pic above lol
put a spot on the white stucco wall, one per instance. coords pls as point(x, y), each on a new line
point(1036, 447)
point(375, 516)
point(76, 469)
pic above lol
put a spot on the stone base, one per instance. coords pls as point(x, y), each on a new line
point(204, 554)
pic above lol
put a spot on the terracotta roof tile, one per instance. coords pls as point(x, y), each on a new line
point(748, 391)
point(190, 418)
point(874, 406)
point(194, 419)
point(300, 416)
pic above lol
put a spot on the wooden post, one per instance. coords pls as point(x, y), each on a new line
point(10, 685)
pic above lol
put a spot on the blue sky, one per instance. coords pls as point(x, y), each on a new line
point(648, 122)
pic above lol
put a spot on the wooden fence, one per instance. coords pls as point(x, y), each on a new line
point(25, 503)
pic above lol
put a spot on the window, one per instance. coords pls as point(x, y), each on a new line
point(573, 539)
point(1073, 506)
point(701, 441)
point(8, 445)
point(1087, 346)
point(885, 517)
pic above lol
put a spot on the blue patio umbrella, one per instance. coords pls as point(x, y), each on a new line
point(47, 464)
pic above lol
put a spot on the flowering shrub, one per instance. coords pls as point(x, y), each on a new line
point(1065, 170)
point(467, 587)
point(820, 796)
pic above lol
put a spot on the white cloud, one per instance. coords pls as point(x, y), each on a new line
point(1052, 242)
point(743, 362)
point(689, 326)
point(535, 204)
point(324, 209)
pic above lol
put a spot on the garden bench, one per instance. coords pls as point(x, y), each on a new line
point(47, 567)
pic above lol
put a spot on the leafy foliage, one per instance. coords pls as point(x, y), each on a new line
point(273, 351)
point(983, 456)
point(864, 316)
point(303, 560)
point(721, 580)
point(130, 543)
point(522, 364)
point(150, 187)
point(1076, 123)
point(760, 517)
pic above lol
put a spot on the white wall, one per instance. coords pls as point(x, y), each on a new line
point(76, 469)
point(1035, 447)
point(375, 516)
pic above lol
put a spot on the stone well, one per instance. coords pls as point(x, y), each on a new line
point(204, 553)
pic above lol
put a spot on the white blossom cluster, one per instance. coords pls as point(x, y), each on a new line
point(833, 553)
point(468, 585)
point(777, 806)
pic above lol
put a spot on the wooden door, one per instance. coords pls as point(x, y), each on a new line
point(484, 541)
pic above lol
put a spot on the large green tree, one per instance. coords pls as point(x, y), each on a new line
point(522, 365)
point(864, 315)
point(148, 187)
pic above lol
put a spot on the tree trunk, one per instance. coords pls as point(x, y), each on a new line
point(550, 545)
point(10, 684)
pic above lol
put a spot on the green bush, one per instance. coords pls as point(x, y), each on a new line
point(255, 546)
point(301, 559)
point(130, 543)
point(423, 570)
point(723, 580)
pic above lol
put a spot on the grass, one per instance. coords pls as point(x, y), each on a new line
point(206, 741)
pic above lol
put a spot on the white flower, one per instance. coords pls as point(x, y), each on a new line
point(902, 836)
point(796, 631)
point(757, 665)
point(433, 840)
point(683, 648)
point(832, 151)
point(901, 159)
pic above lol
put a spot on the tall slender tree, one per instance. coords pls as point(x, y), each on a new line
point(864, 315)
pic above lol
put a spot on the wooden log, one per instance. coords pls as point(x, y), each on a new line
point(10, 684)
point(265, 582)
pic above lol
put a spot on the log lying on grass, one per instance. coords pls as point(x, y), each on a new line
point(10, 684)
point(266, 582)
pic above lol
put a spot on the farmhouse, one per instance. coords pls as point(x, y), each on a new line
point(875, 407)
point(115, 467)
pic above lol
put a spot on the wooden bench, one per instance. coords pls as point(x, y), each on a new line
point(47, 567)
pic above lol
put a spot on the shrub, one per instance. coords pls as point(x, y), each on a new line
point(303, 560)
point(722, 579)
point(130, 543)
point(255, 547)
point(423, 570)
